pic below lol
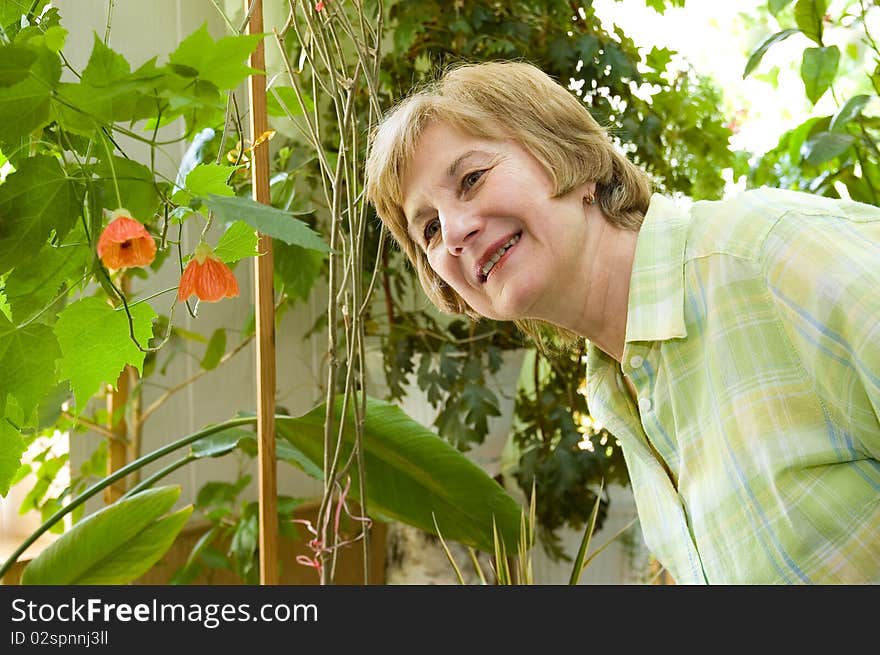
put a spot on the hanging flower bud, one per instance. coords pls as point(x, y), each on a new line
point(125, 242)
point(319, 6)
point(207, 277)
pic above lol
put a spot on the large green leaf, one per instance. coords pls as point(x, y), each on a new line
point(412, 474)
point(24, 106)
point(221, 63)
point(34, 201)
point(27, 363)
point(139, 554)
point(809, 16)
point(276, 223)
point(106, 92)
point(35, 283)
point(818, 69)
point(114, 545)
point(96, 343)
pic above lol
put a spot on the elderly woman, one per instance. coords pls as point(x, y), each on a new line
point(734, 346)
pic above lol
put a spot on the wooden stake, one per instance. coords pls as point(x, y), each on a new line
point(117, 448)
point(117, 454)
point(265, 313)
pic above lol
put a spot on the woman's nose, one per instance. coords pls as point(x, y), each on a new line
point(459, 231)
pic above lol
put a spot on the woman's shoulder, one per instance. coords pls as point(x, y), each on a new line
point(740, 223)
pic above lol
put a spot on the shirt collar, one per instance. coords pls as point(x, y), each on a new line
point(655, 310)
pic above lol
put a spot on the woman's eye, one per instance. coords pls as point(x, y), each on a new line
point(471, 179)
point(432, 227)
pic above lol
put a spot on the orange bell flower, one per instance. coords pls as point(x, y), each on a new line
point(125, 242)
point(207, 277)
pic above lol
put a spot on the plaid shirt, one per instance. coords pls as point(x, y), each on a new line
point(753, 343)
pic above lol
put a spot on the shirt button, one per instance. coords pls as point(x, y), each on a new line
point(645, 404)
point(636, 361)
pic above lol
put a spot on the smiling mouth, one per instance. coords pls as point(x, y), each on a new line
point(490, 263)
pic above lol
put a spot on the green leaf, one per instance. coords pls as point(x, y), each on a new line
point(244, 544)
point(27, 363)
point(273, 222)
point(33, 284)
point(207, 179)
point(818, 69)
point(137, 188)
point(221, 62)
point(798, 135)
point(848, 112)
point(105, 67)
point(825, 146)
point(412, 473)
point(587, 47)
point(292, 455)
point(55, 37)
point(220, 443)
point(239, 241)
point(215, 349)
point(24, 107)
point(96, 345)
point(12, 447)
point(140, 554)
point(809, 14)
point(659, 58)
point(756, 57)
point(15, 62)
point(776, 6)
point(34, 201)
point(297, 269)
point(114, 545)
point(82, 108)
point(286, 452)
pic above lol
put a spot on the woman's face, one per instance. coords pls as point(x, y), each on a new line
point(484, 213)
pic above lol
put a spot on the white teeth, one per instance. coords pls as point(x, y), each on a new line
point(498, 253)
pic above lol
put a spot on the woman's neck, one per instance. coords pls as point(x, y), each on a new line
point(606, 294)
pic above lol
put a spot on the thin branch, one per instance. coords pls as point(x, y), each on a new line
point(91, 425)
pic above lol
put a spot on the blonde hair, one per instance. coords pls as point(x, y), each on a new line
point(502, 100)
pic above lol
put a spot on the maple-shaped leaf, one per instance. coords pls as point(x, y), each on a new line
point(239, 241)
point(24, 105)
point(34, 284)
point(27, 363)
point(34, 201)
point(96, 345)
point(105, 66)
point(222, 62)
